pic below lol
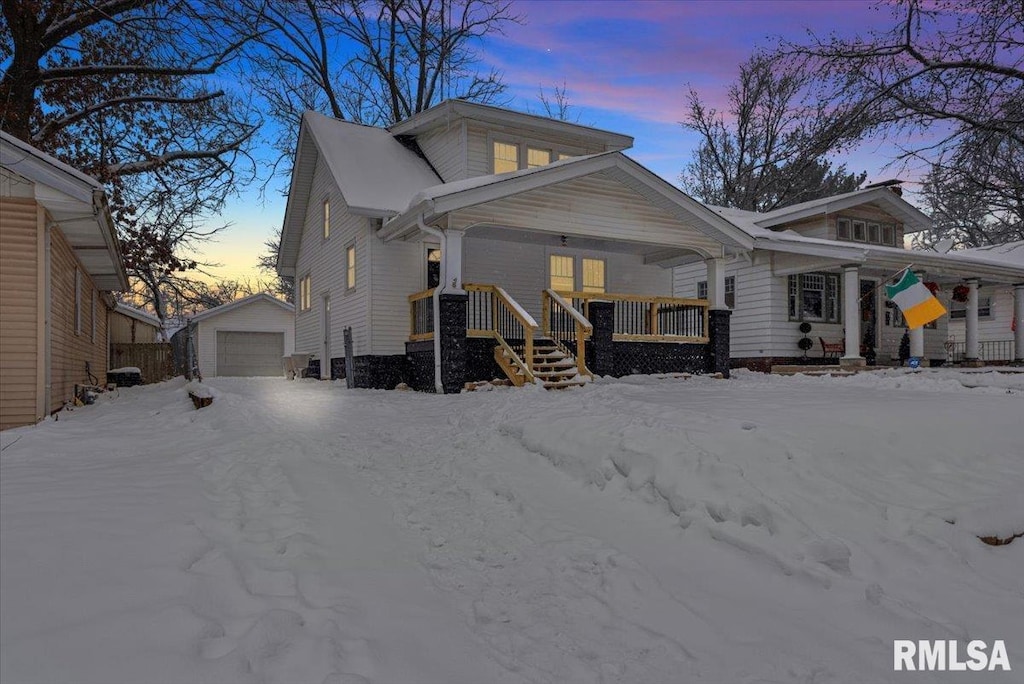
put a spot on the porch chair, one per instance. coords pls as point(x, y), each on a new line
point(832, 349)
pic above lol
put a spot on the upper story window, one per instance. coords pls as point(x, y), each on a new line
point(305, 293)
point(350, 267)
point(327, 219)
point(509, 155)
point(871, 232)
point(506, 157)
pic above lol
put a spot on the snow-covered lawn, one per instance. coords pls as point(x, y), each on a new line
point(759, 529)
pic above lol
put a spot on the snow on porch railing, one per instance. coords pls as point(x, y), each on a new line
point(643, 318)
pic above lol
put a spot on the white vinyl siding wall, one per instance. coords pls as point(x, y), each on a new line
point(597, 206)
point(257, 316)
point(398, 270)
point(445, 148)
point(324, 261)
point(997, 327)
point(522, 269)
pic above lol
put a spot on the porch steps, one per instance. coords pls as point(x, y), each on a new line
point(552, 367)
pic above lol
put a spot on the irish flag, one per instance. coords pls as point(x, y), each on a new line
point(918, 304)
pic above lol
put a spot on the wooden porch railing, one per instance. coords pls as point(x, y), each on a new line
point(421, 315)
point(643, 318)
point(567, 327)
point(490, 312)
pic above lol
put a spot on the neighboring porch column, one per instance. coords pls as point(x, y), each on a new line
point(1018, 317)
point(851, 316)
point(917, 334)
point(971, 353)
point(716, 283)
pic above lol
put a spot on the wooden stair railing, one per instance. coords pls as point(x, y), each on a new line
point(493, 313)
point(568, 328)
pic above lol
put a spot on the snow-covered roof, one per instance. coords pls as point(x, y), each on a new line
point(913, 219)
point(77, 203)
point(137, 314)
point(450, 111)
point(1010, 252)
point(376, 174)
point(238, 303)
point(434, 201)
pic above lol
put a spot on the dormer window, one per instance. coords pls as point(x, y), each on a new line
point(871, 232)
point(509, 155)
point(506, 157)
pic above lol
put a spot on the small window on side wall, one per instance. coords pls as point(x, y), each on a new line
point(843, 229)
point(730, 292)
point(350, 267)
point(305, 292)
point(327, 219)
point(506, 157)
point(702, 289)
point(78, 302)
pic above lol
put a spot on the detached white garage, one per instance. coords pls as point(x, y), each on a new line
point(246, 337)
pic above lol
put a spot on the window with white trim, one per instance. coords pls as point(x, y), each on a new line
point(959, 309)
point(562, 278)
point(506, 157)
point(814, 297)
point(350, 267)
point(593, 275)
point(702, 289)
point(327, 218)
point(854, 230)
point(305, 293)
point(536, 157)
point(730, 291)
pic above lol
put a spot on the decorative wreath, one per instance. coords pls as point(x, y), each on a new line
point(960, 293)
point(805, 328)
point(805, 343)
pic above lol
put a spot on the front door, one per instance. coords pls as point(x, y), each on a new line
point(868, 318)
point(325, 351)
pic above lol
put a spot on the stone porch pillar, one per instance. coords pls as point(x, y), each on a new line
point(972, 350)
point(917, 334)
point(851, 316)
point(1018, 316)
point(718, 340)
point(451, 335)
point(602, 317)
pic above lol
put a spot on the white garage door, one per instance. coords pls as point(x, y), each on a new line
point(249, 353)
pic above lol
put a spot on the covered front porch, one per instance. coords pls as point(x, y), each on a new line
point(559, 274)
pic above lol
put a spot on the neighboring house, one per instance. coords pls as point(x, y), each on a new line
point(808, 258)
point(130, 325)
point(997, 321)
point(59, 260)
point(464, 220)
point(246, 337)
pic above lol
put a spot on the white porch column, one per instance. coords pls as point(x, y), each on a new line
point(716, 283)
point(1018, 314)
point(851, 316)
point(917, 334)
point(451, 262)
point(971, 353)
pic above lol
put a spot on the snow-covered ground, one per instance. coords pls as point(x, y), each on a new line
point(759, 529)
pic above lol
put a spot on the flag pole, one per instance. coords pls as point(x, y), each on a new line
point(886, 280)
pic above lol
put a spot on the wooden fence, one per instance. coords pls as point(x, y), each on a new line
point(154, 359)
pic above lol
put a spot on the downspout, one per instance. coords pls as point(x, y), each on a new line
point(441, 283)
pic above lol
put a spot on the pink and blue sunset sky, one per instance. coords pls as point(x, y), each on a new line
point(626, 66)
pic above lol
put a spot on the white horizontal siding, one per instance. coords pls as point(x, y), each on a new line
point(257, 316)
point(522, 270)
point(479, 140)
point(444, 148)
point(595, 206)
point(399, 270)
point(992, 329)
point(324, 261)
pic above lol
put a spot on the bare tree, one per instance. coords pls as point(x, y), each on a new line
point(280, 286)
point(121, 89)
point(371, 61)
point(556, 105)
point(770, 148)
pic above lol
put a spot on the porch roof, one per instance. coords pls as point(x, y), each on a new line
point(434, 202)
